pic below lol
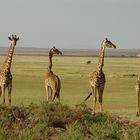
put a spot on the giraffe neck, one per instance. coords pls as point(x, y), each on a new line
point(8, 61)
point(101, 60)
point(50, 61)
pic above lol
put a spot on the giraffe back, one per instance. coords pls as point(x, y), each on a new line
point(53, 81)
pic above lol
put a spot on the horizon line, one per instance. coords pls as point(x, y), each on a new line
point(69, 48)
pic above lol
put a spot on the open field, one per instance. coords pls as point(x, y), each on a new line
point(119, 95)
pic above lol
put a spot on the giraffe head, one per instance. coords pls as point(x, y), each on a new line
point(107, 44)
point(54, 50)
point(13, 40)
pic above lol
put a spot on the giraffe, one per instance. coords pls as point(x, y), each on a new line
point(138, 95)
point(52, 81)
point(97, 78)
point(5, 73)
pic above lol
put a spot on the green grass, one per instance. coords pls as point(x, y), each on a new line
point(119, 95)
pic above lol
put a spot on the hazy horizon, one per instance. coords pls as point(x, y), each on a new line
point(73, 52)
point(71, 48)
point(71, 24)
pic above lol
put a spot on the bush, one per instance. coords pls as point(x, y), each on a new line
point(56, 121)
point(75, 131)
point(110, 131)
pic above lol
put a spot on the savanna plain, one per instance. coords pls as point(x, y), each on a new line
point(119, 94)
point(119, 98)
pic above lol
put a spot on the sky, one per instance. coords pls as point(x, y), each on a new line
point(66, 24)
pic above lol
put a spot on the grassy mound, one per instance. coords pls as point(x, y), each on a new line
point(56, 121)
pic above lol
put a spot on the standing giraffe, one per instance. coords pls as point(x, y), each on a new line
point(52, 81)
point(138, 94)
point(5, 73)
point(97, 78)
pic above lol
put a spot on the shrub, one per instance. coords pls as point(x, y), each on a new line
point(105, 130)
point(57, 121)
point(75, 131)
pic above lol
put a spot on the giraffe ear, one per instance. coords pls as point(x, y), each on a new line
point(9, 38)
point(17, 39)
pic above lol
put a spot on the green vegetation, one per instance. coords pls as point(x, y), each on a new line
point(56, 121)
point(27, 119)
point(119, 95)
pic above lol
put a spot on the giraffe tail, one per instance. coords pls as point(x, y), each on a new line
point(57, 93)
point(88, 96)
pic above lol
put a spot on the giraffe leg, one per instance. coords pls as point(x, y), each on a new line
point(94, 99)
point(54, 95)
point(47, 92)
point(3, 93)
point(138, 97)
point(58, 90)
point(58, 97)
point(51, 95)
point(9, 93)
point(0, 92)
point(100, 98)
